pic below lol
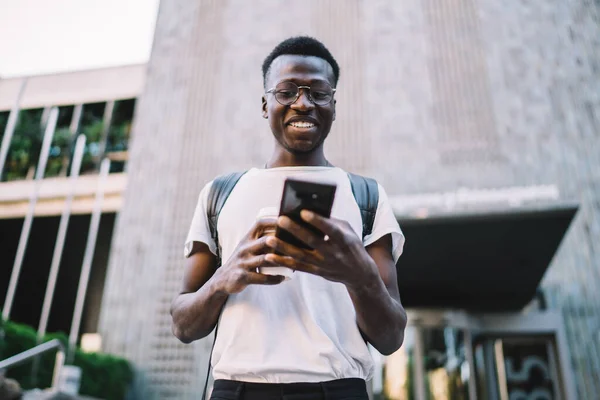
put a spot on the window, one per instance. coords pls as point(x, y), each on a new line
point(119, 134)
point(24, 150)
point(3, 122)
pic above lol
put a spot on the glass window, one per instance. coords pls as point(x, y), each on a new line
point(399, 379)
point(119, 134)
point(92, 124)
point(24, 150)
point(446, 366)
point(3, 122)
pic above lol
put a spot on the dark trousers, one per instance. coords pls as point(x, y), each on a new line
point(341, 389)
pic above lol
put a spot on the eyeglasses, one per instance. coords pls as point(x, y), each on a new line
point(286, 93)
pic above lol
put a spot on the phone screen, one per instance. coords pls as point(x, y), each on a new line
point(303, 195)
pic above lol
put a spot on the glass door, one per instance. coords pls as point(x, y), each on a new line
point(521, 357)
point(518, 367)
point(434, 363)
point(459, 356)
point(446, 368)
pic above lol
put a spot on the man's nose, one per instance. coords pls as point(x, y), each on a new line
point(303, 102)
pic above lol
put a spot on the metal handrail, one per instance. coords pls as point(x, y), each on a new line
point(25, 356)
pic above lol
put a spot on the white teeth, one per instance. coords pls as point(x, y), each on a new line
point(302, 124)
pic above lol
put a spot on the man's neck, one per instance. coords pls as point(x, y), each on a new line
point(315, 159)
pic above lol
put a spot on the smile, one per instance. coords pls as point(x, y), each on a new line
point(302, 124)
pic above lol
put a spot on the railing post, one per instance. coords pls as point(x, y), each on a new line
point(39, 175)
point(60, 239)
point(58, 365)
point(107, 121)
point(88, 258)
point(76, 119)
point(73, 128)
point(34, 353)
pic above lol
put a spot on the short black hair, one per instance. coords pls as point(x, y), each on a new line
point(302, 46)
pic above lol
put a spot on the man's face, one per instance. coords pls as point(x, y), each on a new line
point(301, 127)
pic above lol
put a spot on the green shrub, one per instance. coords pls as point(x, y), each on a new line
point(25, 145)
point(103, 376)
point(59, 152)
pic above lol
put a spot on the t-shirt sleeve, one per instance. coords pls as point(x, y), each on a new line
point(386, 223)
point(199, 228)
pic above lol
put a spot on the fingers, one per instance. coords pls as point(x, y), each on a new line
point(328, 226)
point(263, 225)
point(312, 239)
point(258, 246)
point(254, 278)
point(305, 256)
point(290, 262)
point(257, 261)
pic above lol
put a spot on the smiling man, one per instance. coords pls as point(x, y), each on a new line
point(305, 337)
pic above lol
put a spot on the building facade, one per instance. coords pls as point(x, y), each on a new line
point(458, 99)
point(482, 121)
point(98, 104)
point(434, 96)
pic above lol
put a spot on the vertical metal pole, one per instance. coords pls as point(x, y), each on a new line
point(107, 120)
point(564, 362)
point(46, 115)
point(60, 240)
point(39, 175)
point(468, 343)
point(501, 370)
point(88, 257)
point(419, 364)
point(10, 127)
point(76, 119)
point(73, 128)
point(559, 389)
point(491, 377)
point(58, 364)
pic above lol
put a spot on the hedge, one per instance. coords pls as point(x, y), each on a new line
point(103, 376)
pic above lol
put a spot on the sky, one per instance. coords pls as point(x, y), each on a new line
point(49, 36)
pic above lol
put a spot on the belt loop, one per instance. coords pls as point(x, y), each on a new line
point(239, 393)
point(324, 389)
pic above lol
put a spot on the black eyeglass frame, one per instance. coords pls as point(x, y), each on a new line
point(307, 88)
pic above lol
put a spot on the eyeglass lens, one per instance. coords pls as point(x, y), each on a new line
point(287, 93)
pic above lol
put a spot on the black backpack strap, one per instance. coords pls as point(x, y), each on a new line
point(366, 194)
point(219, 192)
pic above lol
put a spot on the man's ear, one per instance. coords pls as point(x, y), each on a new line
point(334, 103)
point(264, 108)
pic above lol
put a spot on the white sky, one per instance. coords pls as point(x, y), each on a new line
point(46, 36)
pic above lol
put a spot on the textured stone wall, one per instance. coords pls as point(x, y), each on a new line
point(544, 67)
point(434, 95)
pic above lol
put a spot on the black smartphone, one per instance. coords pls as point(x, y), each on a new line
point(304, 195)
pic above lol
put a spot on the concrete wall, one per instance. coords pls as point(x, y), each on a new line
point(434, 95)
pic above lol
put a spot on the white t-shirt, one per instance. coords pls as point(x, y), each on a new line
point(304, 329)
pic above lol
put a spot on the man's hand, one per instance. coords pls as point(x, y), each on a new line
point(251, 253)
point(369, 274)
point(339, 257)
point(196, 309)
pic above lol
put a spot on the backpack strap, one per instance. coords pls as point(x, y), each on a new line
point(366, 194)
point(217, 196)
point(220, 190)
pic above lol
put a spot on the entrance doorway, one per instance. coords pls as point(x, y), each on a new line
point(460, 356)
